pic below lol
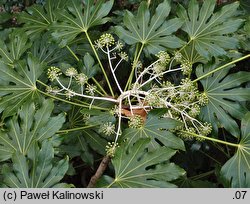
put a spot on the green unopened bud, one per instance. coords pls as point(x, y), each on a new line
point(206, 129)
point(164, 57)
point(203, 99)
point(159, 68)
point(178, 56)
point(194, 111)
point(187, 85)
point(110, 148)
point(186, 67)
point(135, 121)
point(186, 135)
point(154, 100)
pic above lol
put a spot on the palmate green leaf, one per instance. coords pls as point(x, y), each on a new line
point(75, 145)
point(191, 55)
point(78, 19)
point(237, 169)
point(245, 4)
point(209, 31)
point(154, 33)
point(137, 168)
point(48, 52)
point(156, 128)
point(18, 84)
point(88, 66)
point(29, 126)
point(224, 93)
point(98, 117)
point(95, 141)
point(185, 182)
point(247, 26)
point(38, 18)
point(12, 51)
point(38, 170)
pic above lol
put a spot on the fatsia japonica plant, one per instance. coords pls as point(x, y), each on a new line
point(93, 95)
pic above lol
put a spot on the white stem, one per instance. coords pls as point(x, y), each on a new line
point(117, 64)
point(90, 105)
point(157, 80)
point(157, 75)
point(82, 89)
point(119, 121)
point(169, 112)
point(197, 129)
point(146, 70)
point(183, 119)
point(170, 65)
point(70, 80)
point(112, 71)
point(132, 92)
point(103, 51)
point(113, 49)
point(87, 96)
point(130, 105)
point(181, 112)
point(140, 107)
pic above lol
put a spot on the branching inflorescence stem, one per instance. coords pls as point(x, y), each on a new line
point(182, 101)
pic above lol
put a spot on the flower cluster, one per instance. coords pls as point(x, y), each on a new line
point(158, 68)
point(184, 103)
point(123, 56)
point(114, 111)
point(108, 128)
point(206, 129)
point(203, 100)
point(135, 121)
point(69, 94)
point(52, 90)
point(119, 46)
point(66, 90)
point(178, 57)
point(86, 117)
point(163, 60)
point(153, 99)
point(71, 72)
point(110, 148)
point(53, 73)
point(186, 67)
point(149, 90)
point(81, 79)
point(91, 89)
point(163, 57)
point(191, 133)
point(138, 66)
point(106, 40)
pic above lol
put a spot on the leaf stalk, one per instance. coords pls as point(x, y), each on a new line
point(221, 67)
point(212, 139)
